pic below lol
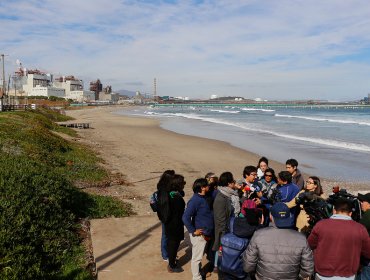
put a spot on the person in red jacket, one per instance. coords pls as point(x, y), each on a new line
point(338, 243)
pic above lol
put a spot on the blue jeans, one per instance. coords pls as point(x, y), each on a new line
point(164, 244)
point(365, 273)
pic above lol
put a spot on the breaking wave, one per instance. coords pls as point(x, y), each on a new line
point(324, 119)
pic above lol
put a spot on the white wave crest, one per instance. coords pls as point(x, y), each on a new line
point(255, 109)
point(251, 127)
point(323, 119)
point(150, 113)
point(224, 111)
point(327, 142)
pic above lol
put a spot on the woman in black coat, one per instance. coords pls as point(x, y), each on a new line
point(171, 208)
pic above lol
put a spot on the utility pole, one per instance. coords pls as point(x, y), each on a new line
point(155, 89)
point(8, 91)
point(2, 95)
point(2, 59)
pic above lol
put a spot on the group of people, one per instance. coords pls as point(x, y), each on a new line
point(255, 228)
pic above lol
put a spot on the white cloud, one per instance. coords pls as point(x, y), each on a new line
point(269, 49)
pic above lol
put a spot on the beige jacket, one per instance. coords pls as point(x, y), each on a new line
point(302, 219)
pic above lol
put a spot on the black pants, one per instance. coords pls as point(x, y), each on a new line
point(172, 247)
point(226, 276)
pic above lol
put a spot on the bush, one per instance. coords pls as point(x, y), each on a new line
point(36, 224)
point(30, 134)
point(39, 205)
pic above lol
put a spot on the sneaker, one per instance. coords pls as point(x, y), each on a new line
point(174, 270)
point(165, 260)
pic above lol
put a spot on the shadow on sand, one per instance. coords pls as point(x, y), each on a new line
point(125, 247)
point(186, 244)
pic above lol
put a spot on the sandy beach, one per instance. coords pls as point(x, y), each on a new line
point(140, 150)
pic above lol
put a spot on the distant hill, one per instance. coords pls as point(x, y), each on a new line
point(125, 92)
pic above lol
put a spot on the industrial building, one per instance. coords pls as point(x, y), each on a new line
point(32, 83)
point(74, 89)
point(36, 83)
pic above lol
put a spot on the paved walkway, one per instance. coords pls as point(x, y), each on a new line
point(129, 248)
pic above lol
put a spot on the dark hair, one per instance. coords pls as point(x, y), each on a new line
point(209, 175)
point(285, 176)
point(293, 162)
point(165, 185)
point(253, 216)
point(263, 159)
point(164, 181)
point(177, 183)
point(163, 206)
point(199, 184)
point(225, 179)
point(169, 172)
point(318, 191)
point(272, 171)
point(248, 170)
point(343, 205)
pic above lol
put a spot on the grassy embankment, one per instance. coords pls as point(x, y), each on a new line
point(40, 207)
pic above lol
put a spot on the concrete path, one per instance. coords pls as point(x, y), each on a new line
point(129, 248)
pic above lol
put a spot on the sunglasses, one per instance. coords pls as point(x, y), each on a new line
point(268, 175)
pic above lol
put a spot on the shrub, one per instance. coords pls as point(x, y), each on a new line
point(39, 205)
point(36, 224)
point(29, 134)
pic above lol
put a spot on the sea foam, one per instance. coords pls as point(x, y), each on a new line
point(253, 127)
point(256, 109)
point(323, 119)
point(224, 111)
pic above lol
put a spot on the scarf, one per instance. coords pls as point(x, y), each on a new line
point(234, 197)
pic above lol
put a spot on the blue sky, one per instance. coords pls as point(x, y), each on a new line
point(269, 49)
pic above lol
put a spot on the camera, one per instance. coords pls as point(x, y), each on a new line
point(342, 193)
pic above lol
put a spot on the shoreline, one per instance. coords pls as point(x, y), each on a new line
point(141, 149)
point(328, 183)
point(321, 143)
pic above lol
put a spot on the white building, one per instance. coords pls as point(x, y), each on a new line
point(74, 89)
point(37, 83)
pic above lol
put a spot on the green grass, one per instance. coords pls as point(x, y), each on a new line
point(30, 134)
point(73, 267)
point(105, 206)
point(39, 205)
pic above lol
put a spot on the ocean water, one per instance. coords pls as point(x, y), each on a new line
point(328, 142)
